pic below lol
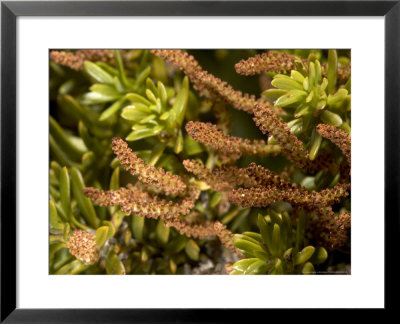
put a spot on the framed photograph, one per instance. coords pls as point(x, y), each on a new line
point(159, 158)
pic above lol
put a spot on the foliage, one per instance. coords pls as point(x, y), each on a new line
point(155, 167)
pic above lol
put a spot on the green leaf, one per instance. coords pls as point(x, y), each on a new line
point(162, 232)
point(156, 153)
point(247, 247)
point(266, 230)
point(290, 98)
point(276, 237)
point(107, 113)
point(98, 73)
point(254, 236)
point(84, 203)
point(286, 84)
point(191, 147)
point(143, 133)
point(311, 74)
point(114, 265)
point(302, 110)
point(142, 76)
point(304, 255)
point(106, 90)
point(137, 225)
point(152, 87)
point(55, 221)
point(101, 235)
point(65, 192)
point(151, 96)
point(71, 268)
point(215, 199)
point(315, 145)
point(338, 97)
point(318, 72)
point(278, 268)
point(273, 94)
point(135, 112)
point(165, 115)
point(242, 265)
point(308, 268)
point(111, 228)
point(181, 100)
point(320, 255)
point(68, 146)
point(114, 181)
point(297, 76)
point(178, 145)
point(163, 94)
point(136, 98)
point(192, 250)
point(88, 160)
point(257, 267)
point(247, 238)
point(262, 255)
point(121, 70)
point(67, 230)
point(176, 245)
point(70, 105)
point(332, 71)
point(331, 118)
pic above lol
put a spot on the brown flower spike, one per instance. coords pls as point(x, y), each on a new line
point(76, 60)
point(206, 83)
point(171, 184)
point(281, 62)
point(208, 134)
point(82, 245)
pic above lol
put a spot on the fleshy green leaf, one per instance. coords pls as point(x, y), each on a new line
point(65, 192)
point(84, 203)
point(181, 100)
point(286, 84)
point(290, 98)
point(331, 118)
point(304, 255)
point(320, 255)
point(162, 232)
point(192, 250)
point(273, 94)
point(308, 268)
point(143, 133)
point(98, 73)
point(137, 226)
point(332, 70)
point(101, 235)
point(114, 266)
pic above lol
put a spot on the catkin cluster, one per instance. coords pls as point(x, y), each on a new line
point(75, 60)
point(281, 62)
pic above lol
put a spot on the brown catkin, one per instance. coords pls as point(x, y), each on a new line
point(269, 122)
point(331, 231)
point(223, 178)
point(298, 196)
point(82, 245)
point(200, 231)
point(225, 236)
point(207, 84)
point(210, 135)
point(337, 136)
point(75, 60)
point(171, 184)
point(281, 62)
point(133, 201)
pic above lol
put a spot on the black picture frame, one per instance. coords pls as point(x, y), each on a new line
point(10, 10)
